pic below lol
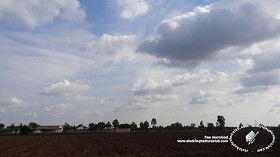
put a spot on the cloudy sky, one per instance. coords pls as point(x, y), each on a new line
point(134, 60)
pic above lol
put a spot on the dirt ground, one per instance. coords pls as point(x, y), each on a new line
point(123, 144)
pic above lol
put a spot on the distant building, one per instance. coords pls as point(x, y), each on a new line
point(81, 129)
point(7, 131)
point(51, 129)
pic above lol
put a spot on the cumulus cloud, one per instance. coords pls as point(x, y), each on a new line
point(13, 102)
point(200, 35)
point(65, 88)
point(148, 93)
point(133, 8)
point(206, 97)
point(57, 108)
point(204, 76)
point(33, 13)
point(112, 47)
point(152, 89)
point(141, 86)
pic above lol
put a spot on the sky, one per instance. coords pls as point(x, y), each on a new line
point(134, 60)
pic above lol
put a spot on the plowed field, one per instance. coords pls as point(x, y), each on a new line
point(122, 144)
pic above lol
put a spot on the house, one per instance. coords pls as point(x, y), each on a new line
point(51, 129)
point(81, 129)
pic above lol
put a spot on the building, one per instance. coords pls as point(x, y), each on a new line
point(51, 129)
point(7, 131)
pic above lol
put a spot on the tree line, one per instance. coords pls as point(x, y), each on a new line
point(25, 129)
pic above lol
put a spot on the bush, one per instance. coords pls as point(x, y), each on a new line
point(25, 130)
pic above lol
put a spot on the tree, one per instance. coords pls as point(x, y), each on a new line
point(108, 124)
point(66, 127)
point(16, 130)
point(146, 125)
point(12, 126)
point(240, 125)
point(101, 125)
point(92, 126)
point(201, 125)
point(175, 126)
point(25, 130)
point(154, 122)
point(33, 125)
point(142, 125)
point(2, 125)
point(133, 126)
point(221, 121)
point(210, 126)
point(116, 123)
point(74, 127)
point(192, 125)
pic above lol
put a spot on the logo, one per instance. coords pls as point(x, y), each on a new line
point(252, 139)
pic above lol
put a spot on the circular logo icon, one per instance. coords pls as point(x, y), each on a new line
point(252, 139)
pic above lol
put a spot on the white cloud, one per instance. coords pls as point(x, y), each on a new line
point(141, 85)
point(65, 88)
point(13, 103)
point(33, 13)
point(204, 76)
point(133, 8)
point(112, 48)
point(207, 97)
point(57, 108)
point(247, 63)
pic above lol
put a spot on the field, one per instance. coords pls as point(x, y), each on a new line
point(122, 144)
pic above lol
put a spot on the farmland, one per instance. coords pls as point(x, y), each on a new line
point(123, 144)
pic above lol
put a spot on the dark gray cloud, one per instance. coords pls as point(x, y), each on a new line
point(265, 73)
point(261, 79)
point(269, 61)
point(201, 36)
